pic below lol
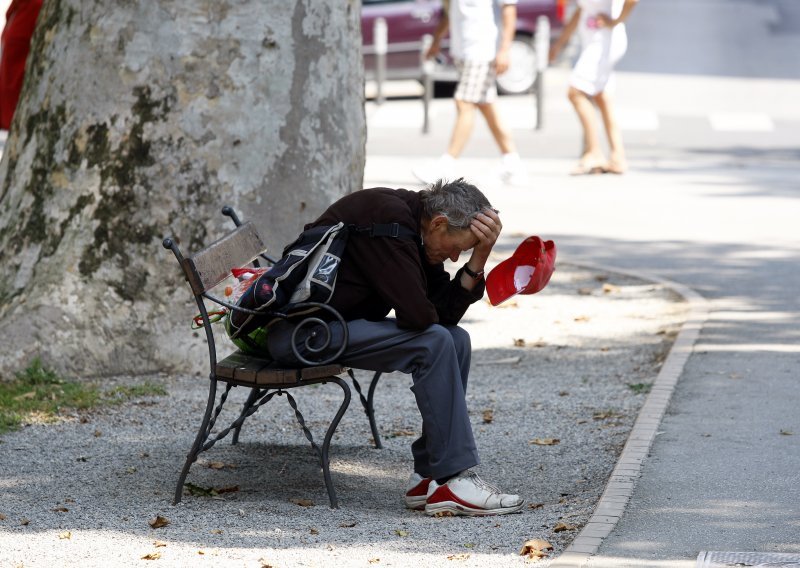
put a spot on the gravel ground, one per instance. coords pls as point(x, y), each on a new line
point(571, 364)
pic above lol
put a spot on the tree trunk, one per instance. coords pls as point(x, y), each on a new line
point(141, 119)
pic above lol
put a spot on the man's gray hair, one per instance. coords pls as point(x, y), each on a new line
point(459, 202)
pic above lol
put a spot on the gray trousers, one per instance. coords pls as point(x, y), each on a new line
point(438, 359)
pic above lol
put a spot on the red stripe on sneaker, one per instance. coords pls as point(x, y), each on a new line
point(443, 494)
point(420, 489)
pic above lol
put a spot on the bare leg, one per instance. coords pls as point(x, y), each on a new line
point(616, 163)
point(499, 131)
point(465, 120)
point(592, 156)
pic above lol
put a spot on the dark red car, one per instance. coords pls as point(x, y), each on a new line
point(407, 21)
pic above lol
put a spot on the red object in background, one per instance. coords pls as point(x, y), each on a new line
point(15, 44)
point(527, 271)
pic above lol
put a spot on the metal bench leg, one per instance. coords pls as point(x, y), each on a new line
point(202, 434)
point(251, 398)
point(366, 402)
point(323, 453)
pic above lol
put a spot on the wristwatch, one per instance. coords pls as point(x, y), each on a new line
point(474, 275)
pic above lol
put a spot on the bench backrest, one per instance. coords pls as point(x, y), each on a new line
point(210, 266)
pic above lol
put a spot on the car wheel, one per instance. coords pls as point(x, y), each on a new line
point(521, 73)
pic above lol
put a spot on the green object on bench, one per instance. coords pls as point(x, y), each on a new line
point(204, 270)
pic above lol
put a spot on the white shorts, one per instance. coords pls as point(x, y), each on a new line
point(593, 70)
point(476, 82)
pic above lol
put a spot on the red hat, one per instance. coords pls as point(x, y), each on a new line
point(527, 271)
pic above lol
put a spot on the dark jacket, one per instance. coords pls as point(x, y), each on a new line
point(379, 274)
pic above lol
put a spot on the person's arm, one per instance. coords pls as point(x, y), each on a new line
point(487, 227)
point(508, 18)
point(566, 33)
point(438, 33)
point(608, 22)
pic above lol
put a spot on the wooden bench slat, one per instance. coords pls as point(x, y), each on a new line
point(244, 368)
point(321, 372)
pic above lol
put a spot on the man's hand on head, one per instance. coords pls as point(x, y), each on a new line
point(486, 226)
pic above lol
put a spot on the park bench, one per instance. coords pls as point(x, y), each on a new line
point(204, 271)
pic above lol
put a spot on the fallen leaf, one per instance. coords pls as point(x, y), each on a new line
point(216, 465)
point(374, 560)
point(24, 522)
point(462, 556)
point(605, 415)
point(159, 543)
point(349, 525)
point(97, 433)
point(66, 535)
point(519, 343)
point(535, 548)
point(312, 530)
point(159, 522)
point(152, 556)
point(26, 396)
point(401, 533)
point(786, 433)
point(469, 545)
point(231, 489)
point(61, 510)
point(2, 517)
point(563, 393)
point(561, 527)
point(302, 502)
point(68, 500)
point(130, 470)
point(581, 318)
point(197, 491)
point(545, 441)
point(610, 288)
point(584, 291)
point(536, 505)
point(488, 416)
point(405, 432)
point(201, 552)
point(216, 531)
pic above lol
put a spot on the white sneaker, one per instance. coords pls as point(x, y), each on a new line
point(417, 491)
point(467, 494)
point(443, 168)
point(513, 171)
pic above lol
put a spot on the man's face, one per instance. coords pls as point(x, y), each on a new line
point(441, 244)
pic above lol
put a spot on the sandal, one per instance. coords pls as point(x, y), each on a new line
point(614, 167)
point(587, 168)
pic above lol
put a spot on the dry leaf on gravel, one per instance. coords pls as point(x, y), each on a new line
point(66, 535)
point(302, 502)
point(401, 532)
point(2, 517)
point(230, 489)
point(584, 291)
point(786, 433)
point(561, 527)
point(216, 465)
point(488, 416)
point(581, 319)
point(374, 560)
point(24, 522)
point(462, 556)
point(159, 522)
point(348, 525)
point(216, 531)
point(61, 510)
point(152, 556)
point(312, 530)
point(535, 505)
point(159, 543)
point(610, 288)
point(519, 342)
point(535, 548)
point(545, 441)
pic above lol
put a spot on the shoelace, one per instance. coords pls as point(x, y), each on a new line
point(482, 484)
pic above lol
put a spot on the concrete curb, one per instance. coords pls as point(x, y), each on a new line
point(622, 481)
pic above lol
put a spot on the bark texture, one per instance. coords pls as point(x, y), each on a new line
point(141, 119)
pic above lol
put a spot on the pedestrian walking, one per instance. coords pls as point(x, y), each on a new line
point(601, 27)
point(481, 33)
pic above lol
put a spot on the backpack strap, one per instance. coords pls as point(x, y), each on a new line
point(390, 230)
